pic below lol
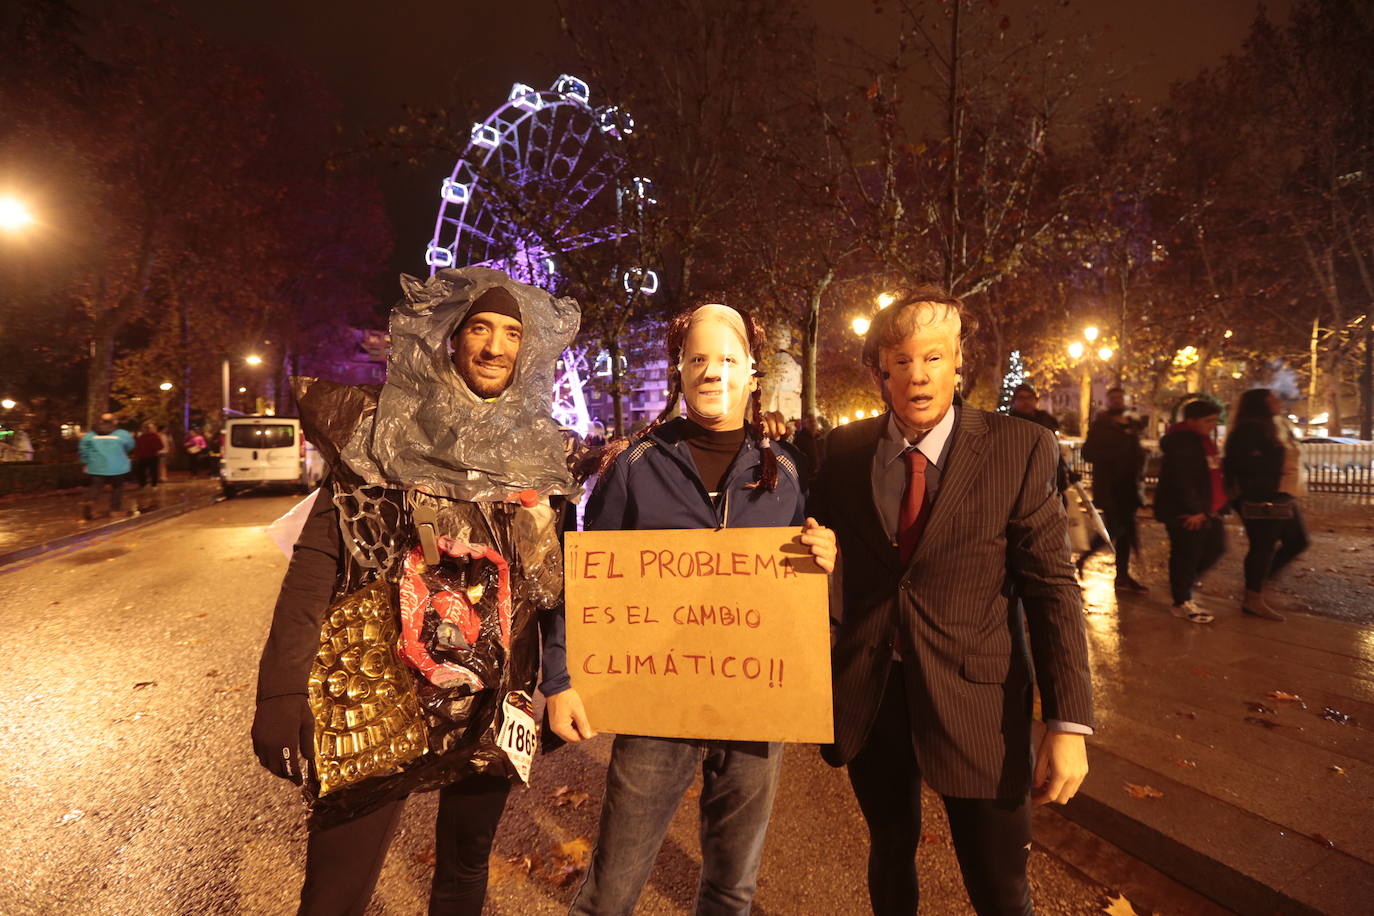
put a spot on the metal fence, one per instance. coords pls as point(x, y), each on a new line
point(1332, 467)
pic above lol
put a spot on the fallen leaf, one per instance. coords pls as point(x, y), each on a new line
point(1284, 697)
point(71, 817)
point(1119, 906)
point(579, 849)
point(1203, 672)
point(1259, 707)
point(213, 672)
point(1143, 791)
point(425, 857)
point(932, 839)
point(1186, 764)
point(563, 797)
point(1338, 771)
point(1185, 715)
point(1324, 841)
point(141, 684)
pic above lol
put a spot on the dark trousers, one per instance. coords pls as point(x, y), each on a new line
point(1273, 543)
point(145, 471)
point(342, 862)
point(1192, 553)
point(991, 836)
point(116, 484)
point(1120, 524)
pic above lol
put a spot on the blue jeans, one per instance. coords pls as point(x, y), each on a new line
point(644, 787)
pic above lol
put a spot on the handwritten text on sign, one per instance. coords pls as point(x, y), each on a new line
point(699, 634)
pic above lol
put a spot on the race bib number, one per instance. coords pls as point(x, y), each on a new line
point(518, 733)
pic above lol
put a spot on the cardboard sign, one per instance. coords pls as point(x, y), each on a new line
point(700, 634)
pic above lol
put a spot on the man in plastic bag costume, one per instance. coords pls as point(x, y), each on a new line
point(404, 647)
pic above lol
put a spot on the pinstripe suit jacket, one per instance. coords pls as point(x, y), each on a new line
point(995, 534)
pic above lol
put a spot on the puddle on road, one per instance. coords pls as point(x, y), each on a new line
point(93, 555)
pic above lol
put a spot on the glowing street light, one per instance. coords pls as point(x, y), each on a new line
point(1076, 350)
point(884, 300)
point(1090, 333)
point(1104, 354)
point(242, 390)
point(253, 359)
point(8, 403)
point(14, 214)
point(860, 325)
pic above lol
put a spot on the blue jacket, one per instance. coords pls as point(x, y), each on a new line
point(654, 484)
point(106, 454)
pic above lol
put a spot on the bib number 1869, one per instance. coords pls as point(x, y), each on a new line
point(518, 735)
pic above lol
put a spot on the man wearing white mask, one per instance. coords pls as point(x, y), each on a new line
point(707, 469)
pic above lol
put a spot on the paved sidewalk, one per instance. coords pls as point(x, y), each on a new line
point(30, 525)
point(1238, 757)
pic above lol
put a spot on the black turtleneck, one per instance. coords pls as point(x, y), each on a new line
point(713, 450)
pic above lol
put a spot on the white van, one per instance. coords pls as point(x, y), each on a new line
point(267, 450)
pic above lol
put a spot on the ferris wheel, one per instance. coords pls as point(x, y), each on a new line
point(544, 176)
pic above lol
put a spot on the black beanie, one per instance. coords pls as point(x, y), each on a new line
point(498, 300)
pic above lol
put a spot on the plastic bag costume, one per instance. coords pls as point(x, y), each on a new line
point(429, 652)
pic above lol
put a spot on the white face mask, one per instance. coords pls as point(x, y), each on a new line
point(716, 369)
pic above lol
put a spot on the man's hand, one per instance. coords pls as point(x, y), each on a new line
point(568, 717)
point(1060, 767)
point(821, 540)
point(284, 735)
point(1194, 522)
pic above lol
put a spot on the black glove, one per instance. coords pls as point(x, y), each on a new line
point(284, 735)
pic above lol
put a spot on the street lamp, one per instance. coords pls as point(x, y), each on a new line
point(14, 214)
point(860, 325)
point(1079, 351)
point(165, 386)
point(884, 300)
point(8, 403)
point(251, 359)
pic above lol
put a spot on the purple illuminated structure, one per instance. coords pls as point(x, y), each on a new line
point(541, 177)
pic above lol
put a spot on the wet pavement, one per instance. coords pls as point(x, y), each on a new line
point(1238, 756)
point(30, 521)
point(1234, 758)
point(131, 786)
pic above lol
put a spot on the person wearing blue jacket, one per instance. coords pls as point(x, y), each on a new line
point(104, 451)
point(707, 469)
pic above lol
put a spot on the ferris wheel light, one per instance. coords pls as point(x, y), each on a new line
point(485, 135)
point(615, 122)
point(438, 257)
point(526, 97)
point(573, 88)
point(455, 192)
point(643, 189)
point(647, 280)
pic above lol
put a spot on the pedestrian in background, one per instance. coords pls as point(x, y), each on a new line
point(1263, 466)
point(195, 446)
point(1189, 501)
point(147, 447)
point(1025, 403)
point(104, 452)
point(1113, 449)
point(164, 453)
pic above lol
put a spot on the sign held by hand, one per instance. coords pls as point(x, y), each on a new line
point(700, 634)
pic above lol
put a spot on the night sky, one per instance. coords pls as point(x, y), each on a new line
point(377, 56)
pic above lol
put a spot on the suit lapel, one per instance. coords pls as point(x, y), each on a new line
point(965, 465)
point(858, 478)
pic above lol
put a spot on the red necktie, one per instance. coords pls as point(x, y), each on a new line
point(913, 516)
